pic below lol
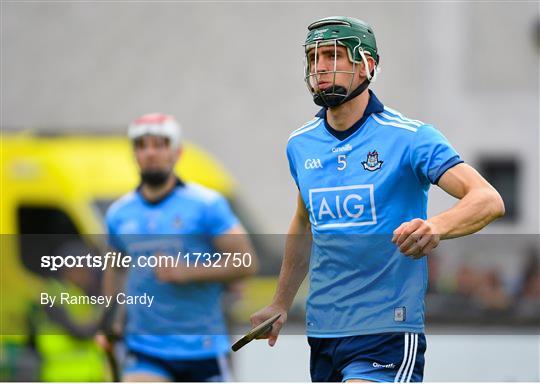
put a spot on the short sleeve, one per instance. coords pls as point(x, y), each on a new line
point(113, 238)
point(292, 164)
point(220, 218)
point(432, 155)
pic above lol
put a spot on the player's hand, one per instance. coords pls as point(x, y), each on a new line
point(177, 275)
point(103, 342)
point(416, 238)
point(166, 274)
point(266, 313)
point(171, 274)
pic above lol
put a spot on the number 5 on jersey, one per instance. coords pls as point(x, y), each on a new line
point(342, 162)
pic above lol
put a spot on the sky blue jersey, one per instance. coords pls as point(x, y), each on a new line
point(358, 187)
point(185, 321)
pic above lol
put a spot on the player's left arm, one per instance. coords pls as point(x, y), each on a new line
point(479, 204)
point(237, 260)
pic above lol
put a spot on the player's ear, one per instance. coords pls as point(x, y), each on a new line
point(361, 70)
point(371, 64)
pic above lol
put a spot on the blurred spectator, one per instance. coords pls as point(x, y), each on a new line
point(529, 296)
point(484, 288)
point(531, 276)
point(531, 288)
point(477, 293)
point(490, 292)
point(467, 281)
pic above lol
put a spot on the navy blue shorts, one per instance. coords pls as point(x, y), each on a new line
point(385, 357)
point(214, 369)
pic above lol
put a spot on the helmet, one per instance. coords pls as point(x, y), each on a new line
point(156, 124)
point(353, 34)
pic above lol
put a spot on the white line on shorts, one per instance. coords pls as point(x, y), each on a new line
point(405, 355)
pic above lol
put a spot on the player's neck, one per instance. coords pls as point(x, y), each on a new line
point(156, 193)
point(345, 115)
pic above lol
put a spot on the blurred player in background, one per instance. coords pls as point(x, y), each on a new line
point(182, 336)
point(362, 168)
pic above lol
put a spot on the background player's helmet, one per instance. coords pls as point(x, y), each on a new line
point(156, 124)
point(353, 34)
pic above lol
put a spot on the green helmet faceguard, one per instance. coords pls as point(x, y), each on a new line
point(353, 34)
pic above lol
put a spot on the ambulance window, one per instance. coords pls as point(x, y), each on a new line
point(503, 174)
point(44, 220)
point(44, 231)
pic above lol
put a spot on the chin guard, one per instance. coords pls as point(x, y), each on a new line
point(338, 95)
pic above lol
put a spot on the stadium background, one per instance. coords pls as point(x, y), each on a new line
point(233, 75)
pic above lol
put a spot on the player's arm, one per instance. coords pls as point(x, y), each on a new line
point(113, 278)
point(478, 206)
point(112, 321)
point(294, 269)
point(237, 260)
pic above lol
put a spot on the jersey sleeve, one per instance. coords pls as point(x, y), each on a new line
point(113, 238)
point(432, 155)
point(220, 218)
point(292, 164)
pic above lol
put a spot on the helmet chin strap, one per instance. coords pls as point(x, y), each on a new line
point(338, 94)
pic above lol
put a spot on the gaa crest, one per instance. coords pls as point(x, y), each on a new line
point(372, 163)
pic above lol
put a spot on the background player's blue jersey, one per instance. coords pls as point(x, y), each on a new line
point(358, 187)
point(185, 321)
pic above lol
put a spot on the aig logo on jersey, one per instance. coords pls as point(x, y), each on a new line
point(313, 164)
point(348, 206)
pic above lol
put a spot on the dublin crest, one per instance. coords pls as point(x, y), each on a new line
point(372, 163)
